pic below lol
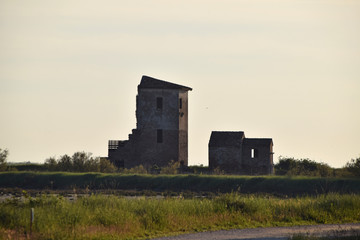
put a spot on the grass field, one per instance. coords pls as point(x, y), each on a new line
point(289, 186)
point(110, 217)
point(230, 202)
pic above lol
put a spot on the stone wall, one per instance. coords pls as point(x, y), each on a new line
point(183, 127)
point(233, 153)
point(161, 134)
point(257, 156)
point(225, 158)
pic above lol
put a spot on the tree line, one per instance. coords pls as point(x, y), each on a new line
point(78, 162)
point(306, 167)
point(85, 162)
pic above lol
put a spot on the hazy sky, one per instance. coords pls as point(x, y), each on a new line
point(287, 70)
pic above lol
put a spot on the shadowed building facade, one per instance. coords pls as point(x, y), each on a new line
point(161, 133)
point(233, 153)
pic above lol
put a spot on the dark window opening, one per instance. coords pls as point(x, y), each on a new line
point(180, 103)
point(159, 136)
point(159, 103)
point(254, 153)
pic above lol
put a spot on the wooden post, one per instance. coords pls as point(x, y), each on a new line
point(31, 219)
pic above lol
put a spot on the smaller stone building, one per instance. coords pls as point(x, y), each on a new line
point(233, 153)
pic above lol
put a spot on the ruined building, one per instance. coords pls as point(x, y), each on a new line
point(161, 133)
point(233, 153)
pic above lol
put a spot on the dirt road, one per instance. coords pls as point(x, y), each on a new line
point(273, 233)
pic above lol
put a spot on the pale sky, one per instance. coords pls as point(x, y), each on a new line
point(287, 70)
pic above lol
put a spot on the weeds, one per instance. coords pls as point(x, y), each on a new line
point(110, 217)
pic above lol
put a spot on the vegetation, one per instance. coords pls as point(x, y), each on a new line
point(171, 168)
point(200, 169)
point(280, 185)
point(84, 162)
point(3, 156)
point(306, 167)
point(36, 167)
point(79, 162)
point(289, 199)
point(135, 170)
point(354, 166)
point(109, 217)
point(302, 167)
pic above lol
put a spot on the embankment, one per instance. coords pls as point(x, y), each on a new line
point(180, 183)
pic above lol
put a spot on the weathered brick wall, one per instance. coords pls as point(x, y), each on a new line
point(157, 110)
point(148, 152)
point(233, 153)
point(183, 127)
point(147, 114)
point(259, 164)
point(226, 158)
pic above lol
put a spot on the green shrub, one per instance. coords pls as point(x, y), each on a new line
point(354, 166)
point(3, 155)
point(135, 170)
point(79, 162)
point(171, 168)
point(302, 167)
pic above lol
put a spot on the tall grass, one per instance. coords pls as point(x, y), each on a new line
point(110, 217)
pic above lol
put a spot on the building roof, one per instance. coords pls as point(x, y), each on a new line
point(258, 141)
point(153, 83)
point(226, 139)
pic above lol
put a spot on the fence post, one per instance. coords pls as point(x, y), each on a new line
point(31, 219)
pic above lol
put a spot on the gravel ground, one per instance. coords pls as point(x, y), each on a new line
point(273, 233)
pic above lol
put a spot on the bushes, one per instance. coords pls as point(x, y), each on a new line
point(27, 167)
point(3, 156)
point(306, 167)
point(79, 162)
point(354, 166)
point(171, 168)
point(302, 167)
point(135, 170)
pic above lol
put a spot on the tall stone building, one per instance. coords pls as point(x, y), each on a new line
point(233, 153)
point(161, 134)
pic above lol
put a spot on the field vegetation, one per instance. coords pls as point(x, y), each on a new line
point(304, 192)
point(85, 162)
point(3, 156)
point(197, 184)
point(306, 167)
point(110, 217)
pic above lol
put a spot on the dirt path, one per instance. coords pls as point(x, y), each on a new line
point(273, 233)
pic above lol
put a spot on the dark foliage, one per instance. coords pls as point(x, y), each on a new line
point(3, 155)
point(79, 162)
point(302, 167)
point(354, 166)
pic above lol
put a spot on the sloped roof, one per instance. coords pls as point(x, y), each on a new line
point(258, 141)
point(226, 139)
point(153, 83)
